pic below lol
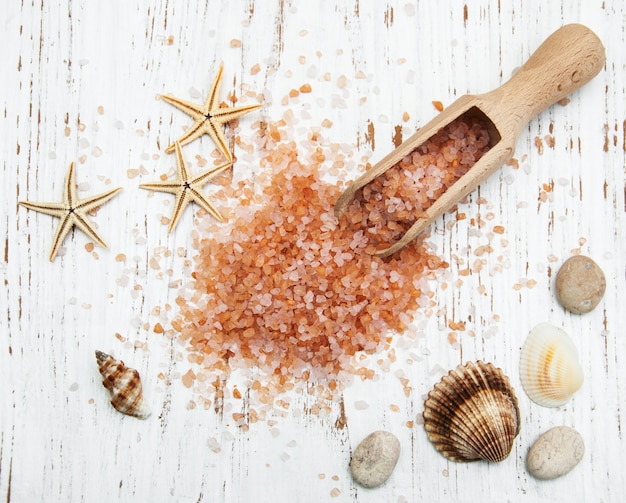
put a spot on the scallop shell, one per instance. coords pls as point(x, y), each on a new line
point(550, 370)
point(124, 384)
point(472, 414)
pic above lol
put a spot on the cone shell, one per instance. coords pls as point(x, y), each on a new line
point(550, 369)
point(472, 414)
point(124, 384)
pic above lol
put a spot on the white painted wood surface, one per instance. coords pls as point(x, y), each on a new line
point(59, 438)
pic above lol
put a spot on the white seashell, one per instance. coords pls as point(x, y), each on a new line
point(550, 370)
point(124, 384)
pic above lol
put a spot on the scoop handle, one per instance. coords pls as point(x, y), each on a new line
point(567, 59)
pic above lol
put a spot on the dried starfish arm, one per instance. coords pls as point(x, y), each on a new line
point(84, 206)
point(198, 128)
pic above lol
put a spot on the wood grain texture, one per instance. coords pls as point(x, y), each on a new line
point(79, 83)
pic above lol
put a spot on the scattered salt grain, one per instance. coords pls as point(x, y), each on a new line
point(214, 445)
point(361, 405)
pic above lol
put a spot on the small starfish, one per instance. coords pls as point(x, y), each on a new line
point(187, 188)
point(209, 118)
point(72, 211)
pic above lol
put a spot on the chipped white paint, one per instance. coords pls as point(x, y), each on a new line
point(78, 84)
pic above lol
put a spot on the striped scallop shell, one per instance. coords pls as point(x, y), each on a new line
point(472, 414)
point(124, 384)
point(550, 370)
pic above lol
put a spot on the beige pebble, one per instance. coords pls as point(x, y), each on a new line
point(555, 453)
point(375, 458)
point(580, 284)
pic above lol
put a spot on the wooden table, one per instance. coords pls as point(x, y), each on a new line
point(79, 81)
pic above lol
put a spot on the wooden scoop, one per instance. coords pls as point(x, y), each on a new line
point(567, 60)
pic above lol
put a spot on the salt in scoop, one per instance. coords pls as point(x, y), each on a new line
point(566, 60)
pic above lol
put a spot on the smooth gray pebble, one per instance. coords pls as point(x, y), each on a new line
point(555, 453)
point(580, 284)
point(375, 458)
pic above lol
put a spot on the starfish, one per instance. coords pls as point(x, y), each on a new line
point(209, 118)
point(187, 188)
point(72, 211)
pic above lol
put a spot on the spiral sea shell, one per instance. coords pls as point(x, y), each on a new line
point(472, 414)
point(550, 370)
point(124, 384)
